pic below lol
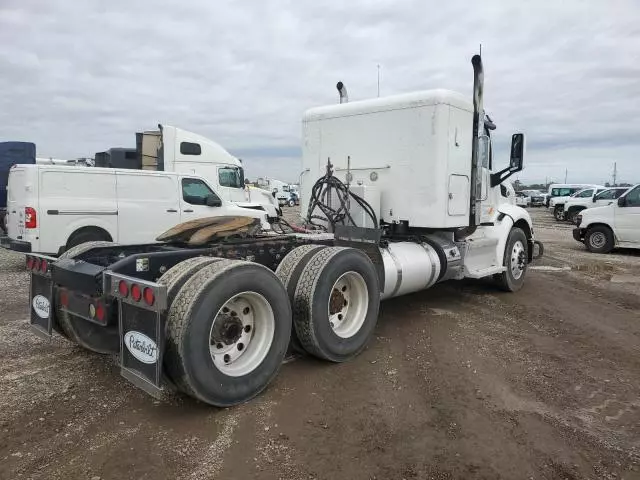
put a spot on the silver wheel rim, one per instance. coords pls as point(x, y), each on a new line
point(597, 240)
point(517, 260)
point(348, 304)
point(241, 334)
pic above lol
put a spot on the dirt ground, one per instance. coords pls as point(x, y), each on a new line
point(460, 381)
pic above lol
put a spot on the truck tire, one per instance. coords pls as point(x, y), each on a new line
point(87, 235)
point(515, 261)
point(228, 330)
point(289, 272)
point(558, 213)
point(64, 318)
point(336, 303)
point(599, 239)
point(177, 276)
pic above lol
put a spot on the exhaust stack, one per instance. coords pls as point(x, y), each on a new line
point(342, 90)
point(478, 116)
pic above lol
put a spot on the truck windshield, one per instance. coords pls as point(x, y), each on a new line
point(231, 177)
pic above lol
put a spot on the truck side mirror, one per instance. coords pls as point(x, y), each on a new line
point(622, 202)
point(212, 201)
point(517, 152)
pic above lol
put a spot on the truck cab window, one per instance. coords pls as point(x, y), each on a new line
point(633, 198)
point(195, 191)
point(231, 177)
point(585, 194)
point(189, 148)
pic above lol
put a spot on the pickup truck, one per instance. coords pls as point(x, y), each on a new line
point(604, 228)
point(574, 205)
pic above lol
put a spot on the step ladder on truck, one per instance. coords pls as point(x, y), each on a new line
point(407, 194)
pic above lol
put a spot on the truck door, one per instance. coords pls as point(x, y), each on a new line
point(193, 200)
point(148, 205)
point(627, 220)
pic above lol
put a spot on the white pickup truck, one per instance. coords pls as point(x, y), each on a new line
point(590, 198)
point(602, 229)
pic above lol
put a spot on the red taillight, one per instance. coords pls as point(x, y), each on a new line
point(30, 218)
point(29, 263)
point(149, 297)
point(123, 288)
point(44, 265)
point(64, 299)
point(36, 264)
point(136, 293)
point(100, 311)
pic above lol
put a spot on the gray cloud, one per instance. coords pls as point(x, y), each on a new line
point(79, 77)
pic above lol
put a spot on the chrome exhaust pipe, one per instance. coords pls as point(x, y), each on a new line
point(478, 129)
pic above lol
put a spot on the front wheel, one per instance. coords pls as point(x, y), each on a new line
point(599, 239)
point(515, 261)
point(558, 213)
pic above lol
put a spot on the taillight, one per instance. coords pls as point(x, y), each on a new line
point(100, 312)
point(123, 288)
point(44, 265)
point(149, 297)
point(30, 263)
point(64, 299)
point(36, 264)
point(136, 293)
point(30, 218)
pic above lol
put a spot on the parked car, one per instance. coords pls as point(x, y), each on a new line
point(523, 200)
point(537, 197)
point(561, 194)
point(53, 208)
point(581, 201)
point(617, 224)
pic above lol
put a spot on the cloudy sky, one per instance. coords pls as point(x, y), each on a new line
point(78, 77)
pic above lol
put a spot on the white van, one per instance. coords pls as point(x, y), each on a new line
point(53, 208)
point(602, 229)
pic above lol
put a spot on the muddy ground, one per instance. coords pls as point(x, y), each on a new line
point(461, 381)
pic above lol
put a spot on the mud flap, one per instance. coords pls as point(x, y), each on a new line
point(141, 347)
point(41, 311)
point(141, 323)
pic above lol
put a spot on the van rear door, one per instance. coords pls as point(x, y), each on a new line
point(16, 201)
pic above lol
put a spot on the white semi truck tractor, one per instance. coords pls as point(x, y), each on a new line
point(404, 193)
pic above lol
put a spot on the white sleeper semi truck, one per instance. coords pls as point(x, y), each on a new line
point(407, 192)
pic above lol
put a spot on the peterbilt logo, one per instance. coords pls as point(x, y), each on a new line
point(41, 306)
point(141, 347)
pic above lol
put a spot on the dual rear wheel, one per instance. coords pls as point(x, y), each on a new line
point(230, 322)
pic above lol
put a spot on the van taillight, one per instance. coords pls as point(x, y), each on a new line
point(30, 218)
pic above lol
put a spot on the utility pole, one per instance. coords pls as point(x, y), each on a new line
point(378, 80)
point(615, 173)
point(566, 172)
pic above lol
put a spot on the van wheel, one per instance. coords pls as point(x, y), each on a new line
point(227, 332)
point(515, 262)
point(336, 303)
point(88, 234)
point(599, 239)
point(558, 213)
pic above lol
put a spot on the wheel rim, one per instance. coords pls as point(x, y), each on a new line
point(348, 304)
point(597, 240)
point(518, 260)
point(241, 334)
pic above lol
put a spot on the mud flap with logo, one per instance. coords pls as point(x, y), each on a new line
point(141, 321)
point(41, 295)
